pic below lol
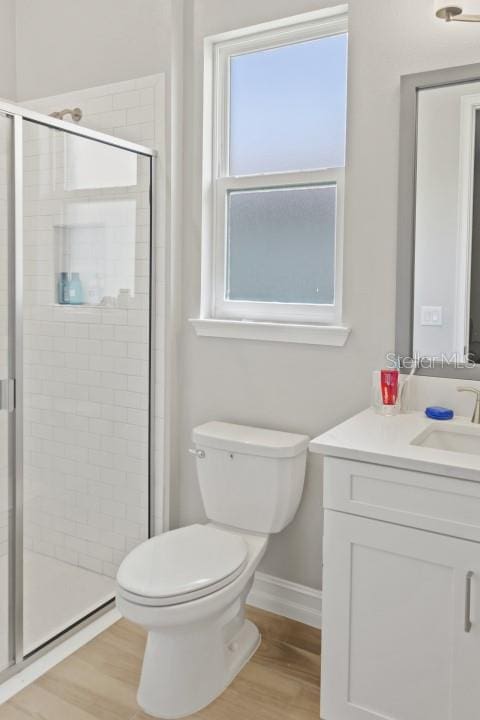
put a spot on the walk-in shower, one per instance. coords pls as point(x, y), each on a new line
point(75, 372)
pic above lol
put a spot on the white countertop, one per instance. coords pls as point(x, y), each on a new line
point(371, 437)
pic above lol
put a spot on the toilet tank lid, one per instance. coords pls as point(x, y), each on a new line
point(249, 440)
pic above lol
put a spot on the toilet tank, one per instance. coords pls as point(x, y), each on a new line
point(250, 478)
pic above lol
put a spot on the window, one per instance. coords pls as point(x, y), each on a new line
point(274, 163)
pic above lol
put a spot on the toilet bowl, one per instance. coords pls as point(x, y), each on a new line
point(198, 638)
point(188, 587)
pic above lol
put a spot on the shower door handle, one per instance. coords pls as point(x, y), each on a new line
point(7, 394)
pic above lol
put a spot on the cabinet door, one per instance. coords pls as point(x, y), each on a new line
point(395, 644)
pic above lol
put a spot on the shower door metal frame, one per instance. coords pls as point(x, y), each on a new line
point(16, 345)
point(15, 366)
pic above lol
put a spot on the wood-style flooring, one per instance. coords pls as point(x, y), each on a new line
point(99, 681)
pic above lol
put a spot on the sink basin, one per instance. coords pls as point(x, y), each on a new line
point(455, 438)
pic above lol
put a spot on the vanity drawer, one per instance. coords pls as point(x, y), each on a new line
point(430, 502)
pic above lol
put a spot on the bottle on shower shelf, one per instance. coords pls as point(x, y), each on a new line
point(95, 290)
point(76, 290)
point(63, 289)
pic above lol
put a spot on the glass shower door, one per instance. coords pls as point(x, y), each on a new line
point(75, 373)
point(6, 586)
point(86, 342)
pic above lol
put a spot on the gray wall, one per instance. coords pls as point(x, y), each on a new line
point(7, 49)
point(65, 44)
point(295, 387)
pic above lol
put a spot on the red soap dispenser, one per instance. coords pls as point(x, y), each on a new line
point(389, 386)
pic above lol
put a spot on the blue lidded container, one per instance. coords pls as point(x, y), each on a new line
point(439, 413)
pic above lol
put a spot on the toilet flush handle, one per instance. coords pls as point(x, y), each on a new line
point(198, 453)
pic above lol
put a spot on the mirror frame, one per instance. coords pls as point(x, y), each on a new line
point(410, 85)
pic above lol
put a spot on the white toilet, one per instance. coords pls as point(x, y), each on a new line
point(188, 587)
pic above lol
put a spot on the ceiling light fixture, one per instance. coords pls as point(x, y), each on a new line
point(454, 13)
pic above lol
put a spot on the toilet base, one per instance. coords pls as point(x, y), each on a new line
point(184, 671)
point(243, 648)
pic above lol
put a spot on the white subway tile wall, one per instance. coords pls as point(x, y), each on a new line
point(86, 368)
point(85, 474)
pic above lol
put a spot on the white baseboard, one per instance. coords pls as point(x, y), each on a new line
point(293, 601)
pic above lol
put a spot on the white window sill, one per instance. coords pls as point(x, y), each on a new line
point(334, 335)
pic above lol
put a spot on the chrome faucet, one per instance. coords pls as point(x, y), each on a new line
point(476, 410)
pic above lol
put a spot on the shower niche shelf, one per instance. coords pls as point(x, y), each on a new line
point(81, 306)
point(79, 264)
point(71, 307)
point(94, 264)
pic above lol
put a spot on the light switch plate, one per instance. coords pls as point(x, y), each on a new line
point(431, 315)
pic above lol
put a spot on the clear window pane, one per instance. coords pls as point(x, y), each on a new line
point(288, 107)
point(281, 245)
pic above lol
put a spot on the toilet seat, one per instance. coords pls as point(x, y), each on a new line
point(182, 565)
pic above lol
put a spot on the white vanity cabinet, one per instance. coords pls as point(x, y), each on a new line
point(401, 595)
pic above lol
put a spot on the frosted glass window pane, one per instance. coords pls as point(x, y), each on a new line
point(281, 245)
point(288, 107)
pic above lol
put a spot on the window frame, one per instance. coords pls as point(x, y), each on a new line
point(217, 182)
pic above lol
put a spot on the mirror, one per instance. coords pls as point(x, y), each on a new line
point(438, 283)
point(446, 310)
